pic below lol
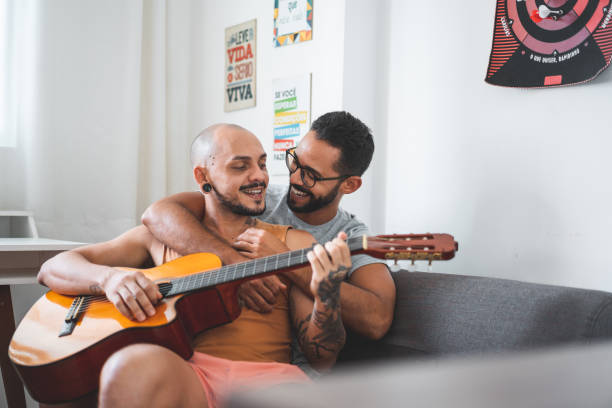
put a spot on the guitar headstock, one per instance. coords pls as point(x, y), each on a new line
point(414, 247)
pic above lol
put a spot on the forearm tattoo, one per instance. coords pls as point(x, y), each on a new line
point(331, 337)
point(329, 289)
point(321, 332)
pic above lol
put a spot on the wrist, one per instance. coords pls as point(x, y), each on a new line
point(104, 278)
point(327, 295)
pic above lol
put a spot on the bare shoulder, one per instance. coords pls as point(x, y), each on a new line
point(297, 239)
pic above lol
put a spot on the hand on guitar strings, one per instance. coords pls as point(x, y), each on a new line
point(132, 293)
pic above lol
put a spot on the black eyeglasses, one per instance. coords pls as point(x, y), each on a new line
point(309, 178)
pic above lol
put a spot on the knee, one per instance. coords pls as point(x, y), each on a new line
point(130, 372)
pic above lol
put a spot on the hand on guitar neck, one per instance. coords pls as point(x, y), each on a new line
point(330, 265)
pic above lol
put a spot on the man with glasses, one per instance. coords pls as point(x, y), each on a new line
point(327, 164)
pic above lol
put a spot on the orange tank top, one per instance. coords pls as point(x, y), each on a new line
point(252, 336)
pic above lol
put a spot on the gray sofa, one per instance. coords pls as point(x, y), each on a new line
point(461, 340)
point(440, 314)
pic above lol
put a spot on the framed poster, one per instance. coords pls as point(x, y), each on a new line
point(291, 117)
point(240, 65)
point(292, 21)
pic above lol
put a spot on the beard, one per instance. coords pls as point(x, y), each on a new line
point(315, 203)
point(235, 206)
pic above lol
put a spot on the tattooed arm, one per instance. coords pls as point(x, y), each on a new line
point(318, 321)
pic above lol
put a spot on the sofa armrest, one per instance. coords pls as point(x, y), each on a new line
point(443, 314)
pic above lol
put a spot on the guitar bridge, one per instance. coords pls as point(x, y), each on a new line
point(67, 328)
point(70, 321)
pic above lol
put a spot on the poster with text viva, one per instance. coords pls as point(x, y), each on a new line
point(240, 63)
point(291, 117)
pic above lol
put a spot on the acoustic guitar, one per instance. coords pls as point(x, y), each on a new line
point(61, 344)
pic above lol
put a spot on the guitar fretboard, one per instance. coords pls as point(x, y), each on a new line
point(244, 270)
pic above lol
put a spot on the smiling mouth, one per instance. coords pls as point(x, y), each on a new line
point(254, 191)
point(299, 193)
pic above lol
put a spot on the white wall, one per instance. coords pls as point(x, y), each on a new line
point(323, 57)
point(365, 95)
point(520, 177)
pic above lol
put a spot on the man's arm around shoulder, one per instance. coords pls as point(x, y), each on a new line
point(176, 221)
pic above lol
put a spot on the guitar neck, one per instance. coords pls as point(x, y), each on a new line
point(246, 270)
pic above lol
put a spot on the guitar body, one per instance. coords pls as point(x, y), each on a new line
point(59, 369)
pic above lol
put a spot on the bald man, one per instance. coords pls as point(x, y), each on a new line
point(229, 165)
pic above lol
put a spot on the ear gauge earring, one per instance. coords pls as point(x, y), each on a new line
point(206, 187)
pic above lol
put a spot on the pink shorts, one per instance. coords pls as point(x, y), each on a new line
point(219, 376)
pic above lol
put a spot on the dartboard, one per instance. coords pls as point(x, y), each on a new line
point(543, 43)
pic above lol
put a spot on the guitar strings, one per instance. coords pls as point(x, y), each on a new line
point(220, 275)
point(215, 276)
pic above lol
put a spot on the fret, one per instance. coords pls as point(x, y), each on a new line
point(289, 260)
point(244, 269)
point(219, 275)
point(276, 265)
point(265, 264)
point(254, 268)
point(214, 276)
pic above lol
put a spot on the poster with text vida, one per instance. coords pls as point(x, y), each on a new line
point(240, 64)
point(291, 117)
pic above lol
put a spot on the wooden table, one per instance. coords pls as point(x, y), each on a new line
point(20, 260)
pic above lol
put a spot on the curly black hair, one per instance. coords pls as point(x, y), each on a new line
point(351, 136)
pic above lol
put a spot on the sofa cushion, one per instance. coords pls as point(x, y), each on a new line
point(442, 314)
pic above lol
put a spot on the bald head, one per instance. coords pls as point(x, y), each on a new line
point(205, 144)
point(229, 165)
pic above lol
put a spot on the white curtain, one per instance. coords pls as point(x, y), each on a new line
point(102, 112)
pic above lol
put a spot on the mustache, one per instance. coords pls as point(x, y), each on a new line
point(302, 189)
point(253, 185)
